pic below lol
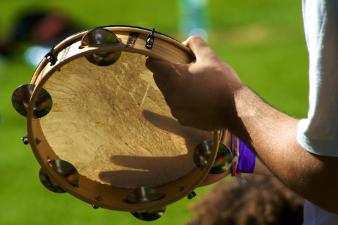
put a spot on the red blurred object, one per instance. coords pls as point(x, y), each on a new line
point(38, 27)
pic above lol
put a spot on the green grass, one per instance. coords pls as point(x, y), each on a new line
point(262, 39)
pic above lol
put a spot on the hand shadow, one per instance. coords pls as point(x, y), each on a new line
point(155, 170)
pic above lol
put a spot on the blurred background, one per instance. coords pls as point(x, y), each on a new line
point(263, 40)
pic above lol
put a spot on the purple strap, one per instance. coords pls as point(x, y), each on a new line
point(247, 158)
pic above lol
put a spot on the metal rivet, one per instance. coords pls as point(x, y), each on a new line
point(95, 207)
point(25, 140)
point(191, 195)
point(37, 141)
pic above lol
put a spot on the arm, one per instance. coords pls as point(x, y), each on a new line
point(208, 94)
point(273, 136)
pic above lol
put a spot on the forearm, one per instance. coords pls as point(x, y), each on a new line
point(272, 134)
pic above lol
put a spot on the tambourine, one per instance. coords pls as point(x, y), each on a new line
point(101, 129)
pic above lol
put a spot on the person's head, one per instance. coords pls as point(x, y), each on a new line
point(259, 201)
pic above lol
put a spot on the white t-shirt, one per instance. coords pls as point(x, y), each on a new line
point(318, 133)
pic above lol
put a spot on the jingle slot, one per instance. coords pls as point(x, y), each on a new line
point(202, 153)
point(43, 104)
point(21, 97)
point(143, 194)
point(66, 170)
point(223, 161)
point(149, 215)
point(48, 183)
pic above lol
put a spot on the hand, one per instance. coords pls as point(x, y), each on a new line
point(199, 94)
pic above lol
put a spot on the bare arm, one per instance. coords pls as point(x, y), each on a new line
point(208, 94)
point(273, 136)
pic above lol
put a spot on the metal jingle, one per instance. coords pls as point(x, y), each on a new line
point(223, 161)
point(202, 153)
point(149, 215)
point(143, 194)
point(43, 104)
point(103, 58)
point(48, 183)
point(21, 97)
point(66, 170)
point(98, 37)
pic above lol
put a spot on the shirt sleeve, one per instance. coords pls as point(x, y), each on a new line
point(318, 133)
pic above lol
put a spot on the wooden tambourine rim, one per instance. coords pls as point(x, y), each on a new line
point(95, 193)
point(77, 37)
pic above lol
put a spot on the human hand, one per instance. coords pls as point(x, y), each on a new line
point(199, 94)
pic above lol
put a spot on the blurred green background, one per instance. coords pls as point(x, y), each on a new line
point(262, 39)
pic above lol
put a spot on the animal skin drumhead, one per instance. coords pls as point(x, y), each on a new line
point(113, 124)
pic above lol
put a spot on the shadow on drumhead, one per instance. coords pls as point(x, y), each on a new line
point(170, 125)
point(148, 170)
point(142, 171)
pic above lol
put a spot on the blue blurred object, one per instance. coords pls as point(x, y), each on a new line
point(33, 55)
point(194, 18)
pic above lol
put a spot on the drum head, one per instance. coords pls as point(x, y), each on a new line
point(114, 126)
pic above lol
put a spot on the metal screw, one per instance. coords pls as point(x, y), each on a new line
point(25, 140)
point(191, 195)
point(150, 39)
point(95, 207)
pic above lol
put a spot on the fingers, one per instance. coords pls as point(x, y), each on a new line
point(199, 47)
point(168, 76)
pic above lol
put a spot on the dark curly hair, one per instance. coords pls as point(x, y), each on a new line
point(256, 201)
